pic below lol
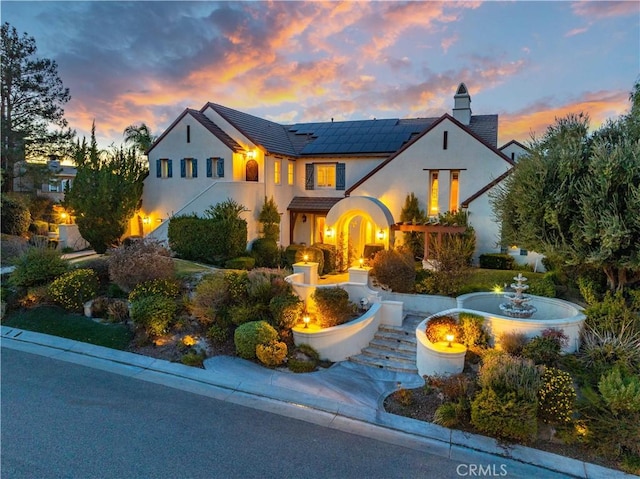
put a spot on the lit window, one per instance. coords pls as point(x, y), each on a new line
point(454, 191)
point(433, 193)
point(276, 172)
point(326, 176)
point(290, 173)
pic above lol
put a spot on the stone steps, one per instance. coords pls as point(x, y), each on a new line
point(392, 348)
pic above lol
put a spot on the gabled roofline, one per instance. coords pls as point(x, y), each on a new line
point(485, 188)
point(444, 117)
point(514, 142)
point(215, 130)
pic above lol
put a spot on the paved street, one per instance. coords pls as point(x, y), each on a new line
point(64, 420)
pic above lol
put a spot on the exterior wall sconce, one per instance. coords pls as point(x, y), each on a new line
point(304, 218)
point(251, 155)
point(146, 220)
point(381, 235)
point(329, 233)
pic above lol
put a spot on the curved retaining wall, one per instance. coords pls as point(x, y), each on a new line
point(340, 342)
point(437, 359)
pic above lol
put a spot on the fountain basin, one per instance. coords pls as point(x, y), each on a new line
point(550, 313)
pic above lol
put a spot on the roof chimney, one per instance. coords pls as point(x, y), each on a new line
point(462, 105)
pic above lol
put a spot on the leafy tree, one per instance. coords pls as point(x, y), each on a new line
point(140, 137)
point(226, 210)
point(577, 195)
point(270, 219)
point(411, 212)
point(32, 99)
point(105, 193)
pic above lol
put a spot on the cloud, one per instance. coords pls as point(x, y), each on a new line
point(601, 9)
point(534, 119)
point(576, 31)
point(447, 42)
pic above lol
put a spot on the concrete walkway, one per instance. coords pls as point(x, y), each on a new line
point(346, 397)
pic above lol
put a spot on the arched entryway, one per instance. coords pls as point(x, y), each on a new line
point(252, 170)
point(359, 222)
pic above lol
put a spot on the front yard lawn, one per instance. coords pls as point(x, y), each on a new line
point(57, 322)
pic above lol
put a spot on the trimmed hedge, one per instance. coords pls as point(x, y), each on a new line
point(243, 262)
point(333, 306)
point(266, 252)
point(248, 336)
point(212, 241)
point(497, 261)
point(330, 256)
point(315, 256)
point(290, 253)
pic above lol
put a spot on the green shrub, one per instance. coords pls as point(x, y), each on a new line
point(601, 350)
point(439, 327)
point(242, 262)
point(99, 307)
point(506, 415)
point(451, 414)
point(37, 266)
point(73, 289)
point(303, 359)
point(613, 314)
point(330, 255)
point(169, 288)
point(472, 330)
point(237, 286)
point(395, 270)
point(621, 392)
point(244, 313)
point(153, 313)
point(218, 334)
point(286, 311)
point(512, 343)
point(496, 261)
point(101, 268)
point(589, 290)
point(505, 373)
point(542, 350)
point(14, 217)
point(212, 240)
point(139, 261)
point(301, 365)
point(259, 286)
point(290, 253)
point(39, 228)
point(248, 335)
point(265, 252)
point(556, 397)
point(333, 306)
point(115, 291)
point(193, 358)
point(315, 255)
point(272, 354)
point(211, 296)
point(453, 387)
point(543, 287)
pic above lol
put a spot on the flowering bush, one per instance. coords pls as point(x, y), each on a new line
point(556, 397)
point(155, 287)
point(249, 335)
point(272, 354)
point(73, 289)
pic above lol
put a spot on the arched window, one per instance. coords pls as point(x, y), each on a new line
point(252, 170)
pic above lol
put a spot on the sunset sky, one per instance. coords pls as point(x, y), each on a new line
point(529, 62)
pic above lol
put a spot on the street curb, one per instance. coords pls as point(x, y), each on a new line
point(450, 443)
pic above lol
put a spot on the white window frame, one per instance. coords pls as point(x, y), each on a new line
point(322, 179)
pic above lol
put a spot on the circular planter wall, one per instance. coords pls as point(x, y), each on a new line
point(437, 359)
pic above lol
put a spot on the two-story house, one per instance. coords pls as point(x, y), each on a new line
point(330, 179)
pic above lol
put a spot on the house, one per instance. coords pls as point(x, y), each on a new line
point(332, 179)
point(59, 177)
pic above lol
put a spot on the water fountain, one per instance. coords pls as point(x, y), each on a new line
point(518, 305)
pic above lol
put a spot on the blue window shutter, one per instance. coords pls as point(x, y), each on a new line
point(183, 168)
point(194, 167)
point(308, 177)
point(220, 167)
point(340, 176)
point(209, 167)
point(169, 168)
point(158, 168)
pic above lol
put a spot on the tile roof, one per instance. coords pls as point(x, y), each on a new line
point(313, 205)
point(216, 130)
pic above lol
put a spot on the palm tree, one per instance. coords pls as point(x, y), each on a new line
point(139, 136)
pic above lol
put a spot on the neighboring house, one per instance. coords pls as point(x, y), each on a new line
point(345, 179)
point(60, 178)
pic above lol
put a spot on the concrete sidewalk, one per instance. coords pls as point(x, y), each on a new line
point(346, 397)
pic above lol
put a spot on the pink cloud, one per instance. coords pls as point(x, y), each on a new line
point(576, 31)
point(597, 10)
point(534, 120)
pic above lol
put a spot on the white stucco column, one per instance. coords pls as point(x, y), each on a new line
point(359, 275)
point(309, 270)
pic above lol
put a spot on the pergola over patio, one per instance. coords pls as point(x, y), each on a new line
point(428, 230)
